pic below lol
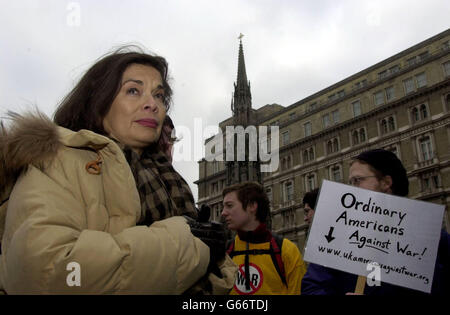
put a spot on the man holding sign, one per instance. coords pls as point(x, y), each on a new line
point(357, 230)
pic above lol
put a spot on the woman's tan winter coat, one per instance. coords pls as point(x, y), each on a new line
point(65, 229)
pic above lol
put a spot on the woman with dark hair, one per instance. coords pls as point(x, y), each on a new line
point(93, 204)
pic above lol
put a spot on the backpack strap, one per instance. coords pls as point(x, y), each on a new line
point(230, 246)
point(276, 243)
point(231, 252)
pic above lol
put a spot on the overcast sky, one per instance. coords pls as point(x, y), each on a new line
point(292, 48)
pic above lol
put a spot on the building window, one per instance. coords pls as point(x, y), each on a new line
point(329, 147)
point(285, 136)
point(411, 61)
point(358, 136)
point(394, 69)
point(391, 124)
point(421, 80)
point(310, 182)
point(335, 145)
point(423, 111)
point(355, 137)
point(311, 154)
point(332, 97)
point(326, 120)
point(430, 182)
point(426, 148)
point(415, 116)
point(379, 98)
point(216, 210)
point(390, 93)
point(383, 127)
point(356, 108)
point(362, 135)
point(332, 146)
point(360, 84)
point(307, 128)
point(387, 125)
point(409, 85)
point(423, 55)
point(335, 173)
point(292, 116)
point(286, 163)
point(312, 106)
point(215, 188)
point(335, 116)
point(305, 156)
point(447, 68)
point(288, 191)
point(419, 112)
point(288, 218)
point(446, 45)
point(382, 74)
point(330, 118)
point(308, 155)
point(340, 93)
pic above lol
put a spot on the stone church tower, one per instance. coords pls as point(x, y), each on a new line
point(239, 170)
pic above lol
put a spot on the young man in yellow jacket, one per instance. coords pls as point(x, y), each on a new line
point(268, 264)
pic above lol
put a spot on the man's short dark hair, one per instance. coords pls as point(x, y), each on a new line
point(310, 198)
point(248, 193)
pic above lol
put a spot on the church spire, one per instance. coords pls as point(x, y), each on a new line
point(242, 74)
point(239, 170)
point(242, 96)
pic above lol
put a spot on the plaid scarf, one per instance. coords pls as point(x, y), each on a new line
point(163, 192)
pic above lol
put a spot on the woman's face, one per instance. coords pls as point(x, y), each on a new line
point(137, 114)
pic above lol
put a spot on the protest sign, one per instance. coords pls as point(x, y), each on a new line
point(353, 227)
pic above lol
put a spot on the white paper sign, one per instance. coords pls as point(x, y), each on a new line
point(353, 227)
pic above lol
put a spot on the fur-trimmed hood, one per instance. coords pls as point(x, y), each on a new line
point(31, 138)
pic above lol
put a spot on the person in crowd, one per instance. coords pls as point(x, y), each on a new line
point(309, 205)
point(378, 170)
point(268, 264)
point(90, 203)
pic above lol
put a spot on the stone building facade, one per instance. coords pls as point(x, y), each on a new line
point(401, 104)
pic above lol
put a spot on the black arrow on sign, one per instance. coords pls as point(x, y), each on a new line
point(330, 237)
